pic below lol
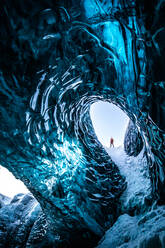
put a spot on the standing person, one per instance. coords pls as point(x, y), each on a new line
point(111, 142)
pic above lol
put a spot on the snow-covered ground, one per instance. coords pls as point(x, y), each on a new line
point(135, 227)
point(135, 170)
point(142, 231)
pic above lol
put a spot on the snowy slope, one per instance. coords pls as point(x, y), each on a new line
point(135, 170)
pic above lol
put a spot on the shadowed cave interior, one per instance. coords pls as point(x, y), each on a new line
point(57, 59)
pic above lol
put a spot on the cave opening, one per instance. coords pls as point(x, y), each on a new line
point(109, 121)
point(9, 185)
point(128, 152)
point(57, 59)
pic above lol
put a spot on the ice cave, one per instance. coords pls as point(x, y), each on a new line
point(57, 59)
point(109, 122)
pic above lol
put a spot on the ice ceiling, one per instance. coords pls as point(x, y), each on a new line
point(57, 58)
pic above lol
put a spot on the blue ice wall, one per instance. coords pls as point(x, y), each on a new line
point(57, 58)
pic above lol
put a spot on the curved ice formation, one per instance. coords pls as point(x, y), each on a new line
point(57, 58)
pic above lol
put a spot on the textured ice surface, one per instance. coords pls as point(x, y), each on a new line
point(4, 200)
point(16, 220)
point(133, 142)
point(23, 224)
point(135, 170)
point(57, 58)
point(147, 231)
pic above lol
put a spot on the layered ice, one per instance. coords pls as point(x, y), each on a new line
point(57, 58)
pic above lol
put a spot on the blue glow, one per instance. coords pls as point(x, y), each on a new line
point(92, 8)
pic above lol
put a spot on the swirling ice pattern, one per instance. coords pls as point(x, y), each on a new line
point(70, 58)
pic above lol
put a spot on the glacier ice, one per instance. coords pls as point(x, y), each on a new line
point(57, 58)
point(135, 170)
point(137, 231)
point(133, 142)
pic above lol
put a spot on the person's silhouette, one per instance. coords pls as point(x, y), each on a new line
point(111, 142)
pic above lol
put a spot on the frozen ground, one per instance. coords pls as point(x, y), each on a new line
point(138, 226)
point(135, 170)
point(142, 231)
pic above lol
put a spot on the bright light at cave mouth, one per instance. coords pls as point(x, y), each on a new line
point(109, 121)
point(9, 185)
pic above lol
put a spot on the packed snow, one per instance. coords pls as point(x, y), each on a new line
point(135, 170)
